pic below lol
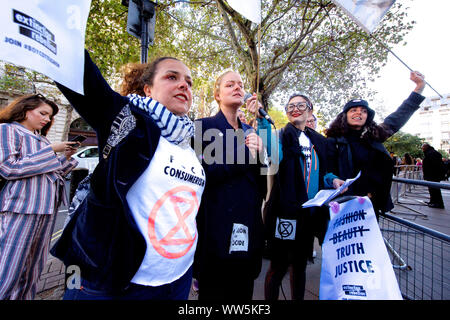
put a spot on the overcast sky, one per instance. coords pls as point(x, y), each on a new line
point(427, 51)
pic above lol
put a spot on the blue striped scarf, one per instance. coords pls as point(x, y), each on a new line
point(174, 128)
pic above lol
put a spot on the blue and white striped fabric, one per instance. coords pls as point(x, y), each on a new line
point(24, 242)
point(32, 169)
point(174, 128)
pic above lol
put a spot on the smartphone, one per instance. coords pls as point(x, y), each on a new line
point(78, 139)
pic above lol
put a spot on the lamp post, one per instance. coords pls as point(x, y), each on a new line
point(141, 23)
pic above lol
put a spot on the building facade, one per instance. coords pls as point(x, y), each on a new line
point(434, 122)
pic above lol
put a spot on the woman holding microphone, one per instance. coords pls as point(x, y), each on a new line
point(229, 255)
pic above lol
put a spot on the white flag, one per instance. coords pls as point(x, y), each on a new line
point(366, 13)
point(251, 9)
point(46, 36)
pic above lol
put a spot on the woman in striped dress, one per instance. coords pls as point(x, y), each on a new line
point(31, 194)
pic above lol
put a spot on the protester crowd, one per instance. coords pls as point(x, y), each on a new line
point(172, 199)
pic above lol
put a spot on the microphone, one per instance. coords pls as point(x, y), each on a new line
point(264, 114)
point(261, 111)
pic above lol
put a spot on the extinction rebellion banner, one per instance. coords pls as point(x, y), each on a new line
point(355, 262)
point(46, 36)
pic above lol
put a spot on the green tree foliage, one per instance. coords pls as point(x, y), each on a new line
point(401, 143)
point(308, 46)
point(13, 78)
point(107, 40)
point(22, 80)
point(279, 117)
point(444, 153)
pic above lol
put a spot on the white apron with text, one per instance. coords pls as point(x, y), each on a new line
point(164, 201)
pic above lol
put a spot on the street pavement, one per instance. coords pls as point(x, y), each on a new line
point(411, 208)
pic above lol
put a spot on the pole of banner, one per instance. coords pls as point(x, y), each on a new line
point(257, 67)
point(384, 46)
point(258, 58)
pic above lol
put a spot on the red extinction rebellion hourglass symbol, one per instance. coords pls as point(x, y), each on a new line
point(175, 197)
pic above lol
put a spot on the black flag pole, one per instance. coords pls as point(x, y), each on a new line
point(387, 48)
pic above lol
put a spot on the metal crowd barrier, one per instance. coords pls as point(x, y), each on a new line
point(405, 186)
point(420, 256)
point(407, 172)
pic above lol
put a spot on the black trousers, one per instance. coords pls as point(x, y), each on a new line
point(436, 196)
point(227, 281)
point(279, 264)
point(225, 287)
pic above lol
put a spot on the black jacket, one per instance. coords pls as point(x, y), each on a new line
point(233, 194)
point(289, 193)
point(376, 174)
point(102, 237)
point(432, 165)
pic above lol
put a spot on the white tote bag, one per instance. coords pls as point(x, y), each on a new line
point(355, 262)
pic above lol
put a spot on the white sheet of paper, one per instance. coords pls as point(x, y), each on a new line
point(327, 194)
point(46, 36)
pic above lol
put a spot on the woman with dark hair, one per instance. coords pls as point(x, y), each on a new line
point(32, 192)
point(301, 155)
point(356, 142)
point(407, 160)
point(134, 236)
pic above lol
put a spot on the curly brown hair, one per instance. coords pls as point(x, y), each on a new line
point(370, 131)
point(136, 75)
point(17, 110)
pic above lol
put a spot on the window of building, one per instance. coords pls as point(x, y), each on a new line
point(3, 102)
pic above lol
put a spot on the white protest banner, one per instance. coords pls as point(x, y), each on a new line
point(46, 36)
point(251, 9)
point(366, 13)
point(355, 262)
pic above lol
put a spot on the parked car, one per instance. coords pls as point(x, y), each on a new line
point(87, 158)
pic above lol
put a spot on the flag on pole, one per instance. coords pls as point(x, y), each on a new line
point(46, 36)
point(366, 13)
point(250, 9)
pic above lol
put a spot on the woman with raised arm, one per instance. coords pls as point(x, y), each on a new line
point(134, 236)
point(357, 145)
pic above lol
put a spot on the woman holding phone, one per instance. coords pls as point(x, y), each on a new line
point(33, 190)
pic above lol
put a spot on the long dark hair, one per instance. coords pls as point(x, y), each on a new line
point(370, 131)
point(136, 75)
point(408, 159)
point(17, 110)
